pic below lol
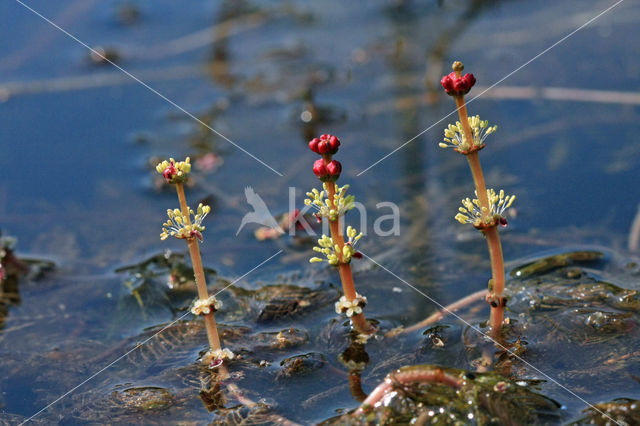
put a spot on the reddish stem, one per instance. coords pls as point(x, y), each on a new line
point(346, 276)
point(407, 376)
point(497, 271)
point(355, 386)
point(472, 157)
point(491, 233)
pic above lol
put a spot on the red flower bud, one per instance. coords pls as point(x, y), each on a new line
point(447, 82)
point(327, 173)
point(313, 145)
point(334, 143)
point(320, 169)
point(470, 79)
point(334, 168)
point(323, 147)
point(325, 144)
point(456, 86)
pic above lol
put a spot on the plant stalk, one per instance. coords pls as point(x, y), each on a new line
point(497, 271)
point(346, 276)
point(198, 270)
point(491, 233)
point(472, 157)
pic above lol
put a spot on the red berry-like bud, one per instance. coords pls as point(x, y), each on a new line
point(323, 147)
point(470, 79)
point(334, 168)
point(313, 145)
point(320, 170)
point(455, 85)
point(460, 86)
point(447, 82)
point(503, 221)
point(334, 143)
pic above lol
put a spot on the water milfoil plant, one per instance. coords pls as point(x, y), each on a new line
point(486, 211)
point(186, 224)
point(331, 204)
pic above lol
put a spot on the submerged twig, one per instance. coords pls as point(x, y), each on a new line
point(437, 316)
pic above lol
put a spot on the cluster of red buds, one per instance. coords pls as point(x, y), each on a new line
point(326, 169)
point(324, 145)
point(456, 85)
point(329, 172)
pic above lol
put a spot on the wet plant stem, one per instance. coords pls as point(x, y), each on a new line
point(491, 233)
point(408, 376)
point(497, 272)
point(437, 316)
point(346, 276)
point(472, 157)
point(478, 179)
point(198, 270)
point(355, 386)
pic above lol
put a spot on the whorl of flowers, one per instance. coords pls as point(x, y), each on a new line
point(174, 172)
point(454, 135)
point(214, 358)
point(181, 226)
point(351, 307)
point(332, 252)
point(206, 306)
point(342, 203)
point(472, 213)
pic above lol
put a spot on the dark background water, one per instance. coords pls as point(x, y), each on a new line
point(78, 140)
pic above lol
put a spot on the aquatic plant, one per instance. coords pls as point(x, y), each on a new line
point(184, 223)
point(486, 211)
point(331, 204)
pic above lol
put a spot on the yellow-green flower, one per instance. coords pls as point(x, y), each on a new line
point(330, 250)
point(181, 226)
point(454, 136)
point(174, 172)
point(480, 217)
point(342, 203)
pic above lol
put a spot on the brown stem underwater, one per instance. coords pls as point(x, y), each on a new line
point(497, 272)
point(438, 315)
point(355, 386)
